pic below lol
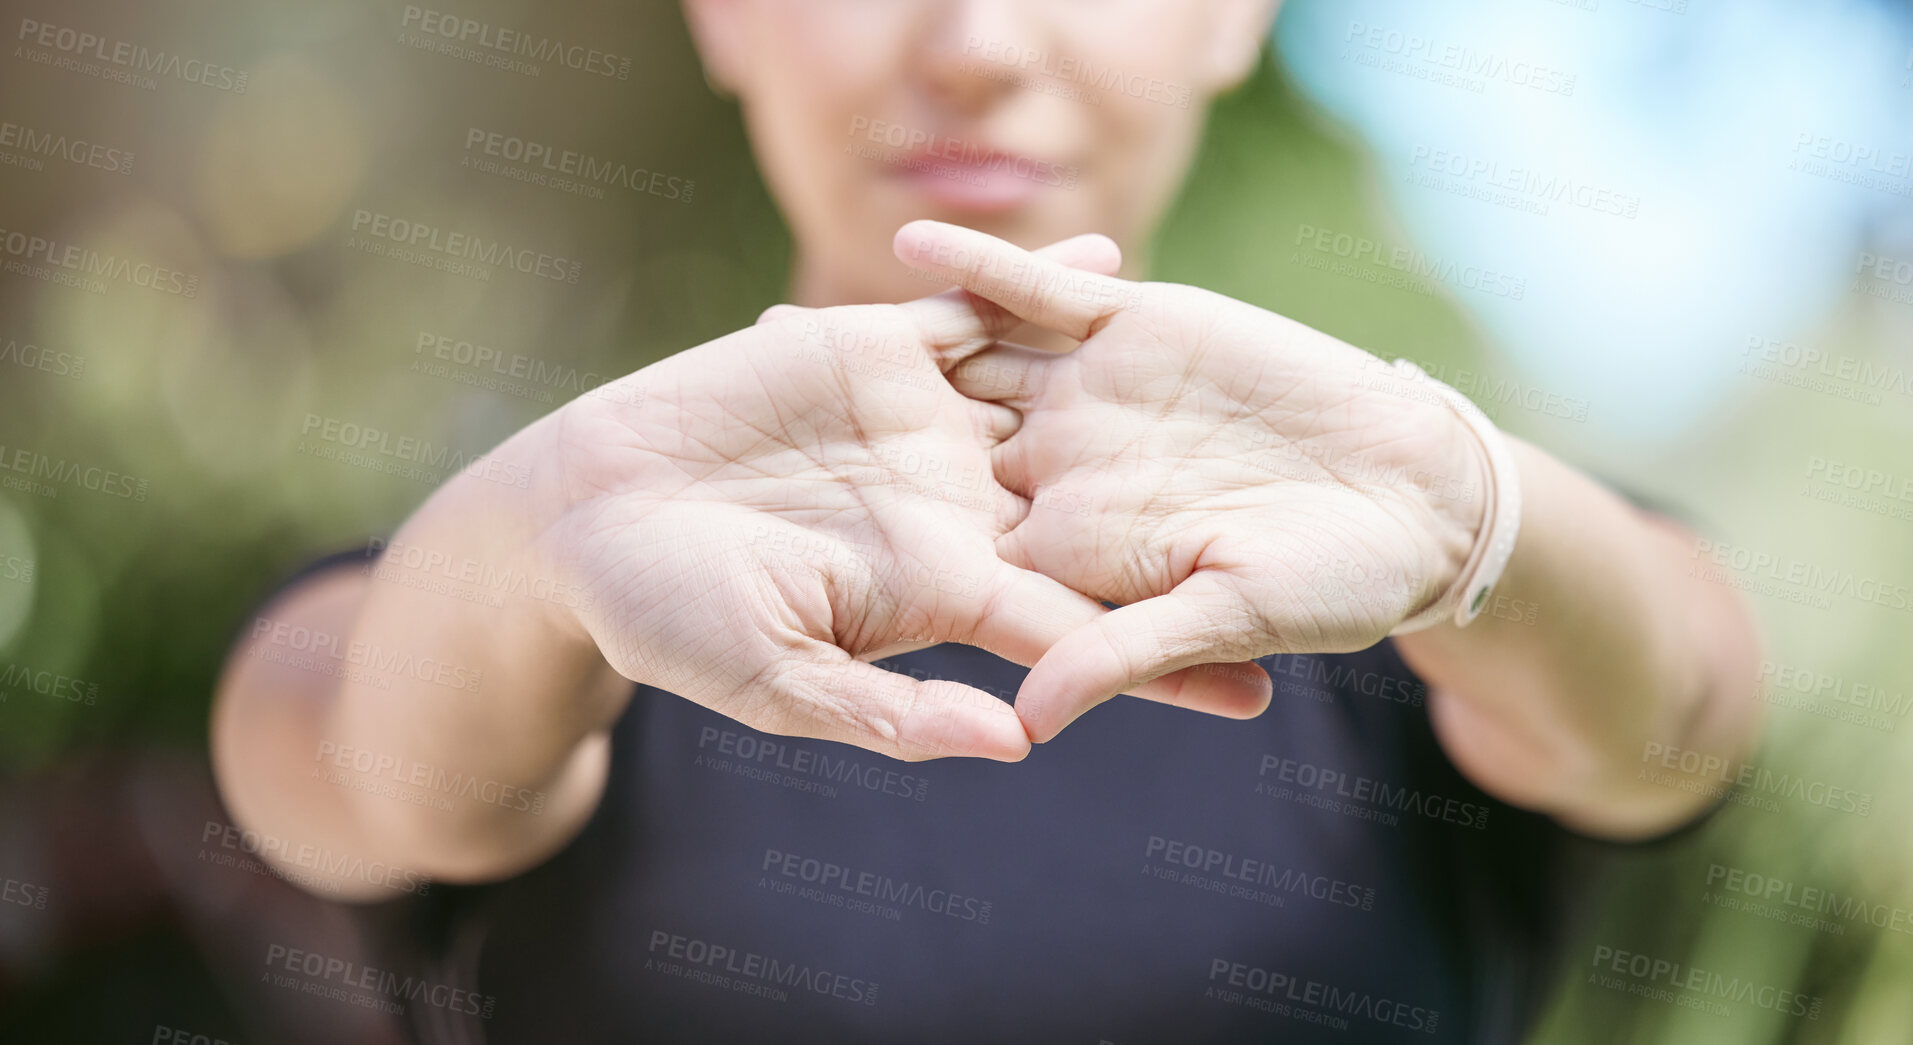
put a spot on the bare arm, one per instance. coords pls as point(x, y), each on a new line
point(455, 671)
point(1596, 644)
point(741, 524)
point(1253, 486)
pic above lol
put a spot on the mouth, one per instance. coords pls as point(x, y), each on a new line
point(979, 181)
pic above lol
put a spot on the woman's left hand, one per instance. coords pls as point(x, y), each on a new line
point(1242, 484)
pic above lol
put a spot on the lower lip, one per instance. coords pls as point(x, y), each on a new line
point(969, 187)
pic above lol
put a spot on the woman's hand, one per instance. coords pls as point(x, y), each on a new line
point(1243, 484)
point(755, 517)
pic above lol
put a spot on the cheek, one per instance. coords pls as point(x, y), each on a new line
point(818, 75)
point(1146, 74)
point(1156, 50)
point(1142, 152)
point(829, 47)
point(800, 91)
point(801, 133)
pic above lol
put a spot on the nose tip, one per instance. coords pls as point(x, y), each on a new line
point(953, 62)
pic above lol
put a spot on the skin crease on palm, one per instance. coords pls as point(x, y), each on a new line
point(790, 541)
point(903, 65)
point(766, 512)
point(1207, 464)
point(750, 523)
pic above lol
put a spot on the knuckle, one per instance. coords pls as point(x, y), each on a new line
point(1037, 286)
point(1123, 649)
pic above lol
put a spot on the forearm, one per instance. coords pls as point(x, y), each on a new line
point(291, 785)
point(1595, 644)
point(458, 726)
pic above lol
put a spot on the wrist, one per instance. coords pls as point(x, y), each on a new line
point(599, 461)
point(1458, 502)
point(484, 542)
point(1476, 538)
point(544, 549)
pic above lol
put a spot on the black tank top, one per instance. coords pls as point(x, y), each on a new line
point(1319, 874)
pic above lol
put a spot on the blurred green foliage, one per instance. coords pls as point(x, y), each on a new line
point(205, 399)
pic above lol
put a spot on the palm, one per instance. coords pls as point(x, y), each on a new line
point(1242, 484)
point(1156, 451)
point(752, 523)
point(760, 514)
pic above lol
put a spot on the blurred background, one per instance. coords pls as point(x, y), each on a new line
point(1669, 240)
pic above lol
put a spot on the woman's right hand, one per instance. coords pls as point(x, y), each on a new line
point(751, 520)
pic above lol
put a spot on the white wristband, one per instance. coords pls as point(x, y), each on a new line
point(1501, 519)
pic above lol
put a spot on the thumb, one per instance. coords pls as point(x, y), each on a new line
point(822, 692)
point(1189, 639)
point(1033, 619)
